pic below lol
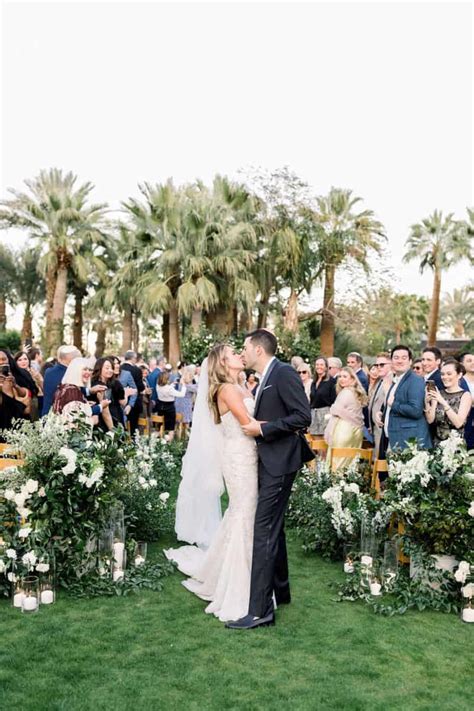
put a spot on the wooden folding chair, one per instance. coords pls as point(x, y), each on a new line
point(4, 448)
point(144, 424)
point(179, 425)
point(5, 463)
point(350, 453)
point(158, 422)
point(380, 467)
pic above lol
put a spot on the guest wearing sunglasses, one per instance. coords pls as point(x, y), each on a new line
point(304, 371)
point(323, 394)
point(417, 366)
point(377, 400)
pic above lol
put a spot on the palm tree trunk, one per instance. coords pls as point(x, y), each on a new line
point(78, 320)
point(246, 324)
point(434, 308)
point(135, 332)
point(221, 319)
point(263, 311)
point(101, 331)
point(27, 326)
point(398, 336)
point(196, 320)
point(165, 330)
point(3, 314)
point(328, 320)
point(290, 319)
point(174, 341)
point(50, 289)
point(56, 335)
point(127, 330)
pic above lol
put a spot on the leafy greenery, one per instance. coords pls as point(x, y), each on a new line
point(11, 340)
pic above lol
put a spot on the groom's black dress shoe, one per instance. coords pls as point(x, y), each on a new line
point(249, 622)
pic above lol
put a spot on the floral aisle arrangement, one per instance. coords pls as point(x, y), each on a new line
point(55, 506)
point(431, 494)
point(327, 510)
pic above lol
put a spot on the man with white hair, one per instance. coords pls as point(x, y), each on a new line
point(334, 366)
point(54, 375)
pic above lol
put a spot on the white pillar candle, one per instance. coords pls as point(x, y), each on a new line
point(119, 548)
point(468, 614)
point(139, 560)
point(18, 599)
point(375, 589)
point(118, 575)
point(366, 560)
point(29, 602)
point(348, 568)
point(47, 597)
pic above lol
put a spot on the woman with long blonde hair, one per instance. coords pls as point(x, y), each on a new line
point(217, 449)
point(346, 422)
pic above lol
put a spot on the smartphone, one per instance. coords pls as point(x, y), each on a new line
point(5, 370)
point(108, 394)
point(431, 386)
point(28, 343)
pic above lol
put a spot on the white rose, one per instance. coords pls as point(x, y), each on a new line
point(11, 553)
point(24, 532)
point(24, 512)
point(20, 500)
point(164, 497)
point(29, 559)
point(11, 577)
point(42, 567)
point(31, 486)
point(153, 482)
point(2, 566)
point(141, 480)
point(353, 487)
point(471, 509)
point(41, 492)
point(468, 590)
point(9, 494)
point(70, 456)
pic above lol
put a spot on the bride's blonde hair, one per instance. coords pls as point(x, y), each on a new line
point(218, 376)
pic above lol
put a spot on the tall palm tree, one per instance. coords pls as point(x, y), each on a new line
point(29, 286)
point(439, 243)
point(7, 282)
point(340, 233)
point(457, 312)
point(59, 215)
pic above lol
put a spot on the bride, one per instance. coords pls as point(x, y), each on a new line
point(218, 452)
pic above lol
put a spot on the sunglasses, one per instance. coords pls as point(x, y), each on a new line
point(417, 367)
point(380, 365)
point(302, 371)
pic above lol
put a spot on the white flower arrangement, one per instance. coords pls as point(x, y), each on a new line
point(462, 571)
point(24, 532)
point(29, 559)
point(71, 458)
point(11, 553)
point(94, 478)
point(164, 497)
point(42, 567)
point(470, 510)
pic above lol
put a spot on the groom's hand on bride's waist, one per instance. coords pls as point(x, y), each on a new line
point(253, 428)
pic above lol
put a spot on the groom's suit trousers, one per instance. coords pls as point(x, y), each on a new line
point(270, 561)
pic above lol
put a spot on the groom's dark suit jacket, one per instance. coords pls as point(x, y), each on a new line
point(282, 403)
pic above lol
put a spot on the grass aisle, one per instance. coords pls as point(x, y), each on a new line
point(159, 651)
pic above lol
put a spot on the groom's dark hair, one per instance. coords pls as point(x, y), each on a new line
point(264, 338)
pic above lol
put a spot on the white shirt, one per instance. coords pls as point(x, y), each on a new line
point(428, 375)
point(396, 380)
point(262, 376)
point(168, 393)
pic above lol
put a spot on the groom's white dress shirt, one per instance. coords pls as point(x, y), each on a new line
point(262, 376)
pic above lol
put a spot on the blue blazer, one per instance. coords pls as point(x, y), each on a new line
point(363, 379)
point(407, 418)
point(52, 379)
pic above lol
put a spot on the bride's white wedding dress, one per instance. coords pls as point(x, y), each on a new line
point(221, 574)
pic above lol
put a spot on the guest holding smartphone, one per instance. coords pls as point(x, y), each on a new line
point(447, 409)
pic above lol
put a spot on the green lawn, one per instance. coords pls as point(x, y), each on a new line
point(159, 651)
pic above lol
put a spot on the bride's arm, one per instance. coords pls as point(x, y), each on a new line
point(230, 398)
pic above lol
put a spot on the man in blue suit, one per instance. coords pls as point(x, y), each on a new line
point(54, 375)
point(404, 416)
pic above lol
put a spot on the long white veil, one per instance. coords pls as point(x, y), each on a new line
point(198, 508)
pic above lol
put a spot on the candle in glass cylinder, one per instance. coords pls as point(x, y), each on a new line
point(18, 599)
point(47, 597)
point(468, 614)
point(29, 603)
point(119, 548)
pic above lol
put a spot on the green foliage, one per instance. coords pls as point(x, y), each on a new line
point(11, 340)
point(195, 347)
point(148, 576)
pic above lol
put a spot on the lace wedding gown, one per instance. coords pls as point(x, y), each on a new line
point(221, 574)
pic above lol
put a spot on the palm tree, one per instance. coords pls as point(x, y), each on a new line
point(339, 234)
point(457, 311)
point(58, 214)
point(7, 282)
point(439, 242)
point(29, 286)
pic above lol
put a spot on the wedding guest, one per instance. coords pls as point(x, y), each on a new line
point(251, 383)
point(32, 377)
point(127, 382)
point(403, 418)
point(449, 407)
point(334, 366)
point(468, 362)
point(12, 392)
point(304, 371)
point(322, 395)
point(417, 367)
point(355, 361)
point(130, 365)
point(346, 423)
point(69, 399)
point(431, 362)
point(184, 405)
point(54, 375)
point(36, 359)
point(153, 378)
point(104, 374)
point(377, 402)
point(146, 394)
point(373, 378)
point(167, 395)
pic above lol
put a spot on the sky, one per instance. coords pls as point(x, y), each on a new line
point(374, 97)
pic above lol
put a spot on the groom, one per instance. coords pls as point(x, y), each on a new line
point(281, 416)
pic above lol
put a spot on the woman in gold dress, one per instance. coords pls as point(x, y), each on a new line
point(346, 422)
